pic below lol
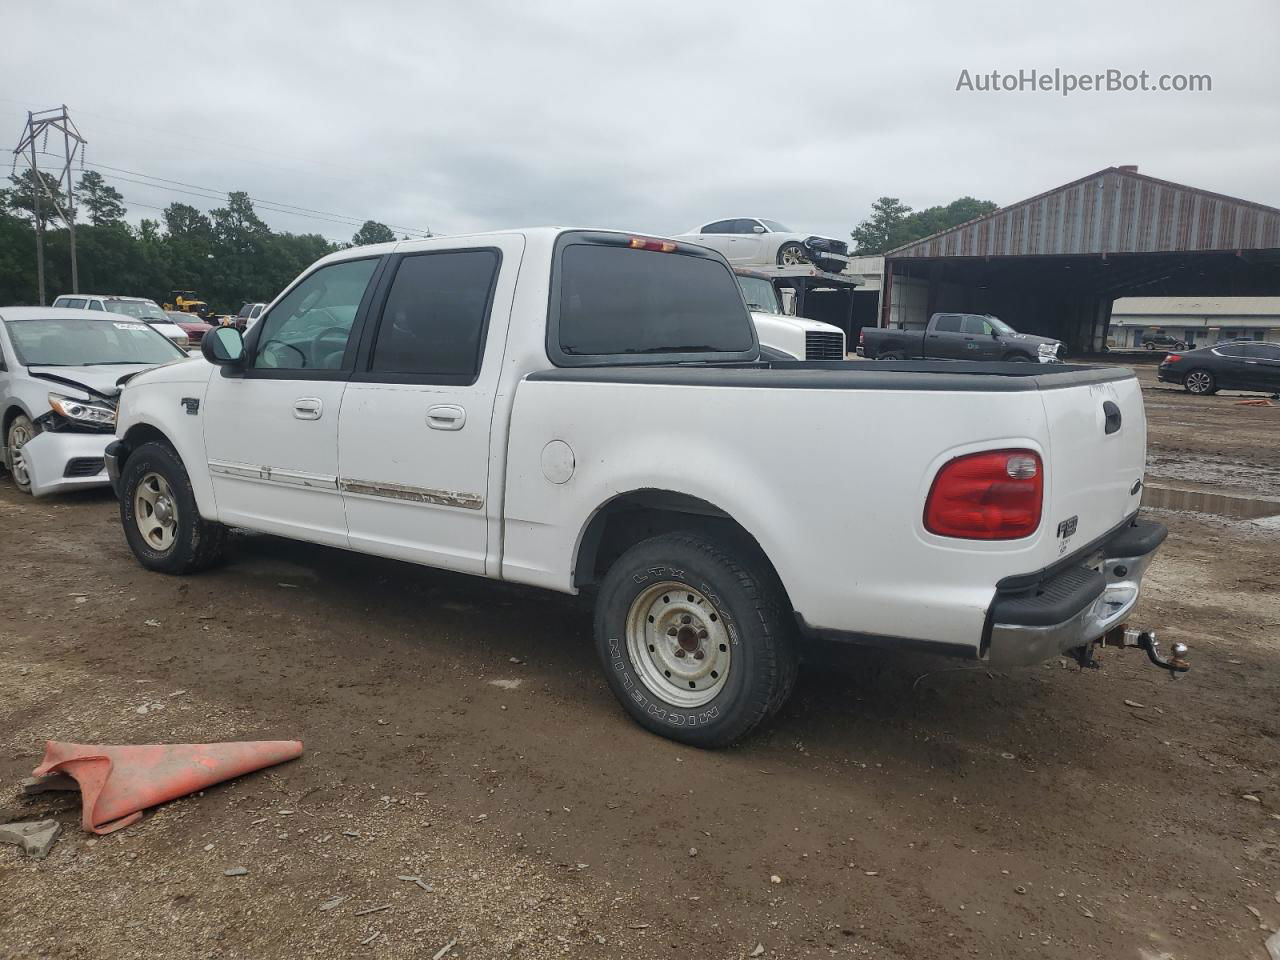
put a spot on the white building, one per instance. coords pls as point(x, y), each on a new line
point(1194, 320)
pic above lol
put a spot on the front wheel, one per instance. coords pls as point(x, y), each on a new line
point(696, 641)
point(159, 514)
point(792, 255)
point(20, 433)
point(1016, 358)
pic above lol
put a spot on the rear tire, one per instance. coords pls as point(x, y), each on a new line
point(1149, 346)
point(696, 640)
point(891, 355)
point(159, 514)
point(1200, 382)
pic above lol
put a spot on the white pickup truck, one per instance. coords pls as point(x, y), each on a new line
point(584, 410)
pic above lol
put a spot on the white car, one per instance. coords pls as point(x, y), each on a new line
point(585, 409)
point(59, 376)
point(798, 337)
point(754, 240)
point(138, 308)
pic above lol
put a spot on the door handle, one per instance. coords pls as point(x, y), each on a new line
point(307, 408)
point(446, 416)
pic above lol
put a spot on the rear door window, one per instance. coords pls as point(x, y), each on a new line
point(73, 303)
point(435, 317)
point(720, 226)
point(948, 323)
point(614, 301)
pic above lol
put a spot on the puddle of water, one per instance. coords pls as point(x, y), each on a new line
point(1203, 501)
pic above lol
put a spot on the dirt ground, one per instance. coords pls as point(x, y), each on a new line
point(459, 731)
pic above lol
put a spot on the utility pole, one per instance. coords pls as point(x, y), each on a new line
point(39, 123)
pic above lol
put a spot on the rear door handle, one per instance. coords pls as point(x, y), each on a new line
point(446, 416)
point(308, 408)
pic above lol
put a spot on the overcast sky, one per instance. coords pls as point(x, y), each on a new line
point(646, 115)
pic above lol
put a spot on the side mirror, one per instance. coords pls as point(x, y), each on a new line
point(223, 346)
point(757, 229)
point(995, 334)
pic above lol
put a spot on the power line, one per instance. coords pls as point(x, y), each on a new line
point(212, 193)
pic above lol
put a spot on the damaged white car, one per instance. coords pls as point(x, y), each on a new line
point(60, 376)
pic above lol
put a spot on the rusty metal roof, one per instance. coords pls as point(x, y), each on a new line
point(1116, 210)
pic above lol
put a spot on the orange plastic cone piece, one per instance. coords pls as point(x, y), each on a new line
point(118, 783)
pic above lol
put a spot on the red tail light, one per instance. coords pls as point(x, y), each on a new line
point(862, 337)
point(1171, 358)
point(995, 495)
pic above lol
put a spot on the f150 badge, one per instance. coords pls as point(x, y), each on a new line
point(1066, 529)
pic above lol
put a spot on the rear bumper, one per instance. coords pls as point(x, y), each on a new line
point(1075, 606)
point(60, 461)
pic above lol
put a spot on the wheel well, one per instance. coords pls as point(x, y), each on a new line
point(641, 514)
point(10, 415)
point(142, 433)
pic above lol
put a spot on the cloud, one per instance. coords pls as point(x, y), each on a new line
point(654, 115)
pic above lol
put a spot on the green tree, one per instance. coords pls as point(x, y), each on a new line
point(22, 202)
point(104, 203)
point(892, 223)
point(372, 232)
point(873, 234)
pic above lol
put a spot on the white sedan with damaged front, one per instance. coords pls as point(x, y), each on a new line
point(747, 241)
point(60, 374)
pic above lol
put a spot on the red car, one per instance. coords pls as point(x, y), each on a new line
point(191, 325)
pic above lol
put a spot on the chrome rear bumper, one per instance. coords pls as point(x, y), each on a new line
point(1022, 640)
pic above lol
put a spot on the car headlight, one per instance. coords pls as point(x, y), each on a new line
point(82, 411)
point(1048, 349)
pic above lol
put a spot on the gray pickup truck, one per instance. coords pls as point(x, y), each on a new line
point(958, 336)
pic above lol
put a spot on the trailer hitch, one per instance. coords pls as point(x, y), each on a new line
point(1145, 640)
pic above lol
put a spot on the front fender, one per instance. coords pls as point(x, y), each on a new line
point(157, 411)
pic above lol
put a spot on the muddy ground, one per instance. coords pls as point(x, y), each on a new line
point(459, 731)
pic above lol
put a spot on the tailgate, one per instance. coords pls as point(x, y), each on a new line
point(1097, 454)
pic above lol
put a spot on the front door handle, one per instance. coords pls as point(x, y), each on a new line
point(446, 416)
point(307, 408)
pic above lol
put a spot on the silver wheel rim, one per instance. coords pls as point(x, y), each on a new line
point(791, 257)
point(678, 644)
point(155, 511)
point(18, 438)
point(1198, 382)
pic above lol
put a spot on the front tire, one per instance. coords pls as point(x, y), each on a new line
point(792, 255)
point(1200, 382)
point(20, 432)
point(1016, 358)
point(159, 514)
point(696, 641)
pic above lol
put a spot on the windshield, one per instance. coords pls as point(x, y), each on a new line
point(1000, 326)
point(760, 295)
point(138, 309)
point(77, 343)
point(776, 227)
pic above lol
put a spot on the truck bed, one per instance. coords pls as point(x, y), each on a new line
point(828, 465)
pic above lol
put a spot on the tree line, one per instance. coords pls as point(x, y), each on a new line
point(228, 255)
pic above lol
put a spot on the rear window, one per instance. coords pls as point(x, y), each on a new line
point(616, 301)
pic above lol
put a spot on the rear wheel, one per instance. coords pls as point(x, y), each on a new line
point(891, 355)
point(1149, 345)
point(792, 255)
point(20, 433)
point(696, 640)
point(159, 514)
point(1200, 381)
